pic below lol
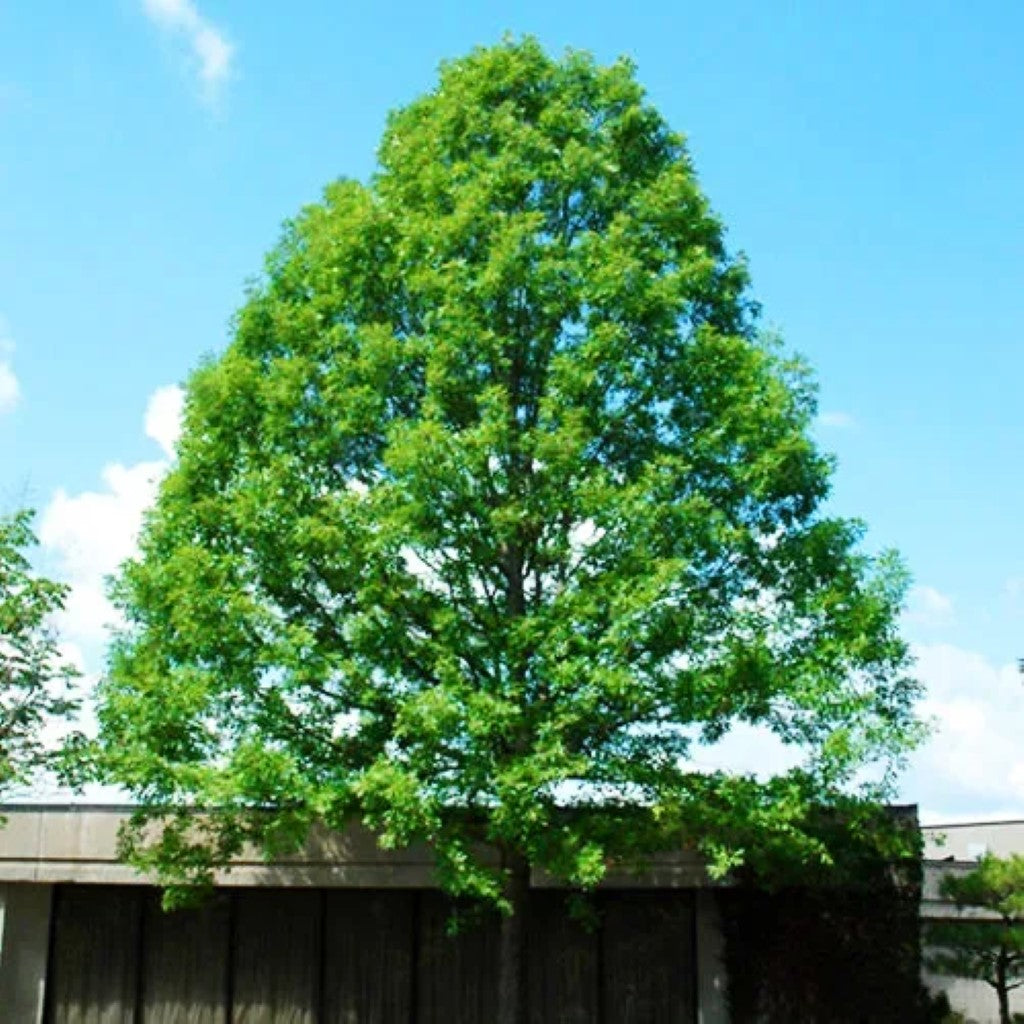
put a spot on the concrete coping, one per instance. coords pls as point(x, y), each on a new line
point(78, 844)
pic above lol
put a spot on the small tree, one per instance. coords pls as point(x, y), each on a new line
point(988, 947)
point(34, 679)
point(496, 510)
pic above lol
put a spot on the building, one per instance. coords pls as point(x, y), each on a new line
point(345, 933)
point(956, 848)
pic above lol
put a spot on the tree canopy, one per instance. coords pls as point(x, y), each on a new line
point(34, 678)
point(498, 509)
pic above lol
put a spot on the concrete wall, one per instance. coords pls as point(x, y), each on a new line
point(24, 947)
point(79, 844)
point(712, 982)
point(965, 841)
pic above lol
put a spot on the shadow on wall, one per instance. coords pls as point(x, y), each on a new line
point(845, 948)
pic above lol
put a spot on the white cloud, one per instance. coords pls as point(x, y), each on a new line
point(10, 390)
point(971, 768)
point(209, 48)
point(89, 534)
point(163, 417)
point(746, 748)
point(929, 607)
point(837, 420)
point(974, 762)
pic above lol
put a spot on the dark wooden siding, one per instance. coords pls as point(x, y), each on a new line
point(302, 956)
point(277, 957)
point(94, 971)
point(456, 973)
point(185, 958)
point(369, 957)
point(564, 978)
point(648, 962)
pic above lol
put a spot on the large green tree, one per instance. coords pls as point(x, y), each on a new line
point(35, 681)
point(987, 942)
point(496, 510)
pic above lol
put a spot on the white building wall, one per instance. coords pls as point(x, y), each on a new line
point(974, 999)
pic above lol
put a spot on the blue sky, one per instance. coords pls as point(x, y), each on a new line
point(866, 157)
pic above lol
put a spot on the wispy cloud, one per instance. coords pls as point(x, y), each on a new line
point(927, 606)
point(837, 420)
point(1014, 589)
point(208, 47)
point(10, 389)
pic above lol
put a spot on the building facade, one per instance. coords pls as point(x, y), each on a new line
point(342, 933)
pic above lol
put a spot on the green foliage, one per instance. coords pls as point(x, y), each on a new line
point(988, 946)
point(495, 512)
point(996, 884)
point(34, 680)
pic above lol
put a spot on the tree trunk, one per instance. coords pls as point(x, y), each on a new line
point(1004, 1005)
point(513, 946)
point(1001, 990)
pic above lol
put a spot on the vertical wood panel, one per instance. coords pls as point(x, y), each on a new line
point(456, 975)
point(360, 957)
point(563, 964)
point(276, 956)
point(94, 970)
point(185, 954)
point(368, 957)
point(647, 962)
